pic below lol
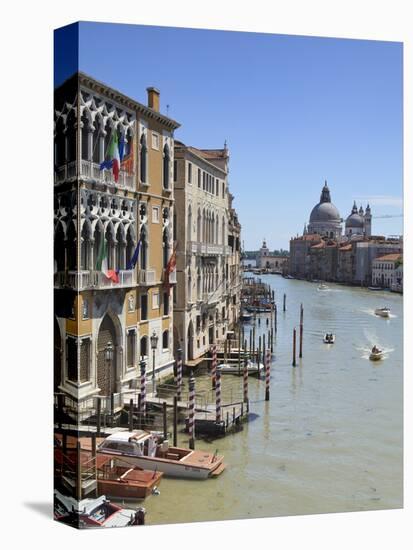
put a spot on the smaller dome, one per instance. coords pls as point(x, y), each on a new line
point(355, 220)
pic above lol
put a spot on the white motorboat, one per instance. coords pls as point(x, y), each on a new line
point(329, 338)
point(382, 312)
point(376, 354)
point(322, 286)
point(233, 368)
point(141, 448)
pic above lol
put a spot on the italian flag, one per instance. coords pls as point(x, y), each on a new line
point(102, 262)
point(113, 157)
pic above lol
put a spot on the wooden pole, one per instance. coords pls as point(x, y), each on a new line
point(218, 397)
point(98, 415)
point(130, 415)
point(78, 472)
point(263, 348)
point(250, 354)
point(140, 415)
point(143, 388)
point(284, 302)
point(175, 420)
point(191, 418)
point(271, 337)
point(267, 374)
point(165, 423)
point(112, 408)
point(179, 375)
point(294, 344)
point(301, 330)
point(275, 317)
point(214, 365)
point(259, 350)
point(239, 351)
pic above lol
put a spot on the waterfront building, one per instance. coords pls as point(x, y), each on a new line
point(365, 253)
point(387, 271)
point(114, 207)
point(208, 251)
point(299, 254)
point(272, 261)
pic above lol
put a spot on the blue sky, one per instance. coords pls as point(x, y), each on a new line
point(294, 111)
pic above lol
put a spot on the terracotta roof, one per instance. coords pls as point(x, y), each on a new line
point(388, 258)
point(319, 245)
point(346, 247)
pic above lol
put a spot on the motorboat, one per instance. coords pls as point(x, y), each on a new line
point(322, 286)
point(234, 368)
point(329, 338)
point(95, 512)
point(376, 354)
point(374, 288)
point(143, 449)
point(382, 312)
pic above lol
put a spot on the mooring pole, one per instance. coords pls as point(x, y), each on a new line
point(284, 302)
point(214, 365)
point(245, 380)
point(191, 418)
point(78, 472)
point(98, 415)
point(175, 421)
point(301, 330)
point(272, 340)
point(143, 388)
point(259, 350)
point(239, 350)
point(218, 397)
point(179, 375)
point(267, 374)
point(294, 344)
point(130, 415)
point(251, 344)
point(165, 423)
point(275, 317)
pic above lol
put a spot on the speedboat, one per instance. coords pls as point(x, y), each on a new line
point(382, 312)
point(329, 338)
point(322, 286)
point(143, 449)
point(95, 512)
point(376, 354)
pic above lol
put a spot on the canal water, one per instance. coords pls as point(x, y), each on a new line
point(330, 439)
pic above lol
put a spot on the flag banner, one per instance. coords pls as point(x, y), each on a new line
point(113, 157)
point(133, 261)
point(171, 266)
point(127, 156)
point(102, 263)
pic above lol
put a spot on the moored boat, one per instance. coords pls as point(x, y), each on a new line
point(141, 448)
point(95, 512)
point(382, 312)
point(233, 368)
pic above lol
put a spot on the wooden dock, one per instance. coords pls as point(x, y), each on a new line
point(232, 415)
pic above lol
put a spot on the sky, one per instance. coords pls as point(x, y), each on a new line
point(295, 111)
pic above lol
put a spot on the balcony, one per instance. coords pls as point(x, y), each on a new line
point(92, 171)
point(83, 280)
point(147, 277)
point(65, 172)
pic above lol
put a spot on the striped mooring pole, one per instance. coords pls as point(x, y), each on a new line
point(218, 395)
point(179, 374)
point(191, 406)
point(245, 374)
point(143, 387)
point(214, 365)
point(267, 374)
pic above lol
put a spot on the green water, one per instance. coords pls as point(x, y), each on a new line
point(330, 439)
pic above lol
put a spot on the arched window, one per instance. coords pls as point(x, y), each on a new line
point(130, 247)
point(165, 248)
point(189, 289)
point(223, 230)
point(120, 249)
point(71, 248)
point(97, 240)
point(143, 253)
point(165, 339)
point(85, 138)
point(85, 248)
point(189, 228)
point(199, 227)
point(143, 159)
point(144, 346)
point(166, 166)
point(59, 249)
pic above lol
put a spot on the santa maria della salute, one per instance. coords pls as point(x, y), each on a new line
point(325, 252)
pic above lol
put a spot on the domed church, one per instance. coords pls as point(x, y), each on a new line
point(358, 222)
point(325, 219)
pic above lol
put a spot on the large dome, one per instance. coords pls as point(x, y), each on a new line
point(324, 212)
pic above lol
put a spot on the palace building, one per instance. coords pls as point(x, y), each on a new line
point(208, 251)
point(113, 225)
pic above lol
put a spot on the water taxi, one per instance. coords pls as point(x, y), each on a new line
point(376, 354)
point(143, 449)
point(322, 286)
point(329, 338)
point(233, 368)
point(382, 312)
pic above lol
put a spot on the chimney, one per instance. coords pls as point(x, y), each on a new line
point(153, 98)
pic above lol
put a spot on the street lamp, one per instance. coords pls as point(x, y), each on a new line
point(154, 344)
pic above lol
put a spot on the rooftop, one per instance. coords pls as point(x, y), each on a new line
point(388, 258)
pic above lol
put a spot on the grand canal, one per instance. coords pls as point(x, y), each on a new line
point(330, 439)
